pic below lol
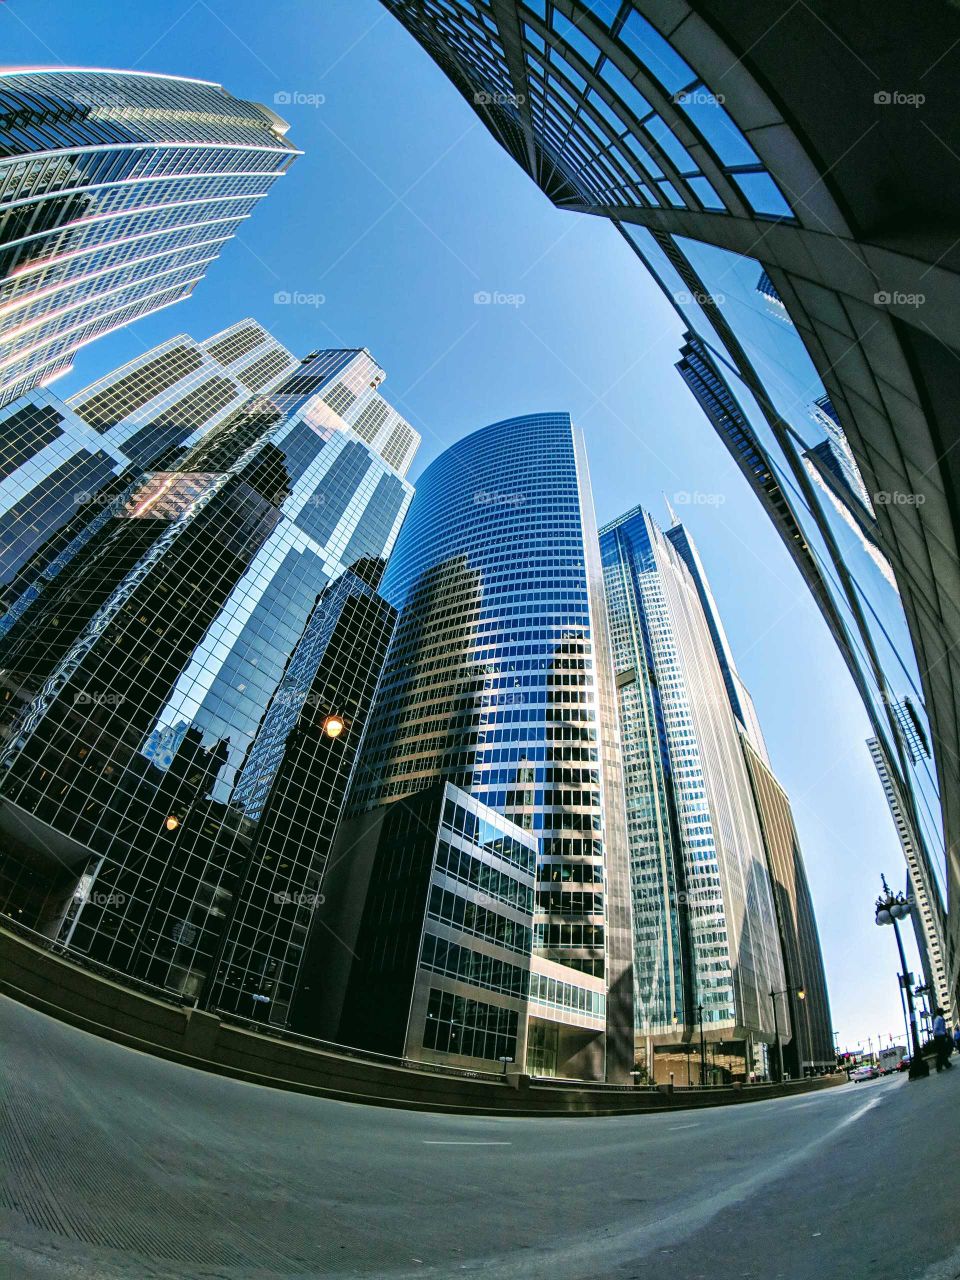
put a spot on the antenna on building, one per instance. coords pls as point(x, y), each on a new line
point(674, 518)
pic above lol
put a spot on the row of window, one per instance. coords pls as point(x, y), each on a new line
point(470, 1028)
point(487, 835)
point(487, 880)
point(450, 908)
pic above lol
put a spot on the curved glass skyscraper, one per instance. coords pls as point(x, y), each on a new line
point(117, 191)
point(499, 680)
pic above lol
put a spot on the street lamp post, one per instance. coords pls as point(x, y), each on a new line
point(703, 1052)
point(924, 992)
point(801, 995)
point(890, 909)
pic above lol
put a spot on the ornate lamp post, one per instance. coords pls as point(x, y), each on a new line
point(924, 992)
point(892, 908)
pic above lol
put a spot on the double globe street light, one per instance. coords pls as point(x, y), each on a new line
point(891, 908)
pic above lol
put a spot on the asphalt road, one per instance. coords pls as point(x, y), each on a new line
point(122, 1165)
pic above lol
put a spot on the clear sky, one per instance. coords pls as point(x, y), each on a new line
point(400, 211)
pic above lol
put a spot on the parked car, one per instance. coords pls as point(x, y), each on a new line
point(864, 1073)
point(904, 1064)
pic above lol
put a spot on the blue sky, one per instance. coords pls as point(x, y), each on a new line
point(400, 211)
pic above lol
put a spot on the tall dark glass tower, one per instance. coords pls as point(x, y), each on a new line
point(804, 278)
point(292, 787)
point(499, 681)
point(169, 776)
point(118, 189)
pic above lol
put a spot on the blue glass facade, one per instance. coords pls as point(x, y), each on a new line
point(498, 678)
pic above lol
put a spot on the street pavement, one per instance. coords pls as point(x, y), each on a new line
point(121, 1165)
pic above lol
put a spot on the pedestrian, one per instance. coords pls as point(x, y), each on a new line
point(956, 1038)
point(941, 1039)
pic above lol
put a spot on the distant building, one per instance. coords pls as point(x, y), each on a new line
point(806, 1025)
point(706, 945)
point(928, 919)
point(118, 189)
point(741, 703)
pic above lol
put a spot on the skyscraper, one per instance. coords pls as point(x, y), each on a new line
point(706, 948)
point(63, 463)
point(927, 914)
point(118, 189)
point(291, 788)
point(766, 215)
point(161, 696)
point(741, 703)
point(499, 681)
point(806, 1041)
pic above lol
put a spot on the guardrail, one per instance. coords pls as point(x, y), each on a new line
point(180, 1001)
point(37, 971)
point(350, 1051)
point(175, 998)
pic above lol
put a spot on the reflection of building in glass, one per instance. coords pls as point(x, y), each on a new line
point(768, 289)
point(117, 191)
point(705, 941)
point(425, 948)
point(663, 120)
point(64, 464)
point(137, 682)
point(843, 463)
point(832, 466)
point(499, 681)
point(292, 787)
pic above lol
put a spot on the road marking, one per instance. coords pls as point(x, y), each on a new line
point(458, 1142)
point(683, 1126)
point(638, 1242)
